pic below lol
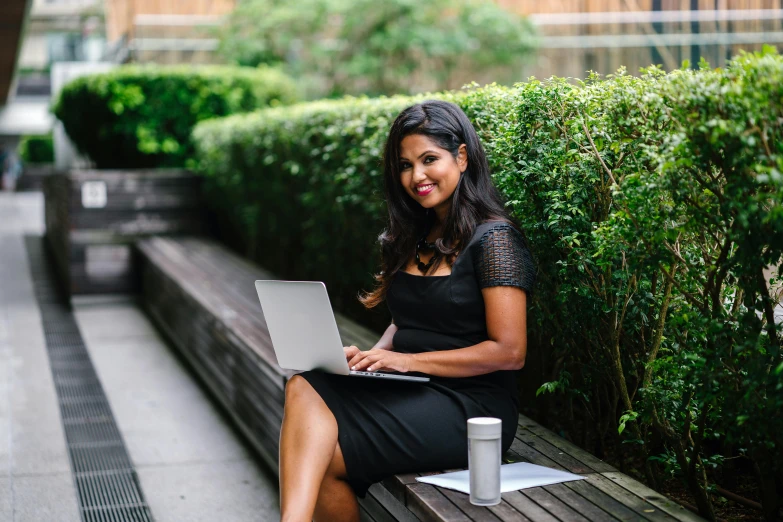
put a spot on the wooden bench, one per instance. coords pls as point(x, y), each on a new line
point(203, 298)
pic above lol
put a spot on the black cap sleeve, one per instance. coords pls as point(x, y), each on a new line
point(502, 258)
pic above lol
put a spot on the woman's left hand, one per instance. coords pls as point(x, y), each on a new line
point(375, 360)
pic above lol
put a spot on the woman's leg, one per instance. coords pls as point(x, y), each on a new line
point(336, 500)
point(307, 444)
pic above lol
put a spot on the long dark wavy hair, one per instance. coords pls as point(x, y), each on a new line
point(475, 199)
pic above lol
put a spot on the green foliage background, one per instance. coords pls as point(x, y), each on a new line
point(36, 149)
point(142, 116)
point(653, 205)
point(337, 47)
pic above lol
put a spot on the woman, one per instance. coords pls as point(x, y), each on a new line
point(456, 272)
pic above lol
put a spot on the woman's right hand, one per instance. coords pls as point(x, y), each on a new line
point(350, 352)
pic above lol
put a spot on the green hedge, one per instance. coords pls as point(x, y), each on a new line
point(142, 116)
point(37, 149)
point(653, 205)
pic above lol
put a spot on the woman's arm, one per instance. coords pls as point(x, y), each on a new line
point(385, 342)
point(506, 311)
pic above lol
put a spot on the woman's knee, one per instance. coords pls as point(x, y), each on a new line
point(296, 388)
point(302, 397)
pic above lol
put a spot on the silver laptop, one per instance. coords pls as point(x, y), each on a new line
point(303, 329)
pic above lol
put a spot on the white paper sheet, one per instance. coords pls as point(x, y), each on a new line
point(519, 475)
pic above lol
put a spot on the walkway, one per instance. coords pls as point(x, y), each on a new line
point(191, 464)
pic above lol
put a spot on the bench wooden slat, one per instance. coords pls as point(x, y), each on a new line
point(227, 265)
point(568, 447)
point(527, 507)
point(228, 274)
point(581, 504)
point(430, 505)
point(629, 499)
point(534, 456)
point(392, 504)
point(364, 516)
point(269, 421)
point(653, 497)
point(462, 501)
point(396, 485)
point(555, 506)
point(373, 510)
point(604, 501)
point(568, 463)
point(506, 511)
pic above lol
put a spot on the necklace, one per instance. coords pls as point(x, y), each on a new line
point(430, 246)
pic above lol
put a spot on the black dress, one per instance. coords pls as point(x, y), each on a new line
point(388, 427)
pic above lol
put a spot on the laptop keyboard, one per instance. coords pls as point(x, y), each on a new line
point(379, 374)
point(389, 375)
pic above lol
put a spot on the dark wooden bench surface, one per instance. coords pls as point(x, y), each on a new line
point(202, 296)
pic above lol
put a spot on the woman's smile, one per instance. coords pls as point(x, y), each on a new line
point(423, 190)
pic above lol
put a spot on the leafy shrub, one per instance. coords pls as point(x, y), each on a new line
point(653, 204)
point(142, 116)
point(654, 207)
point(37, 149)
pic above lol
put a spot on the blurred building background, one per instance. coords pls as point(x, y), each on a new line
point(59, 31)
point(577, 35)
point(602, 35)
point(164, 31)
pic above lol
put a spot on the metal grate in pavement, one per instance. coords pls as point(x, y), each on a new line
point(106, 482)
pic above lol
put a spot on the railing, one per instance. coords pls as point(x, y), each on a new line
point(573, 43)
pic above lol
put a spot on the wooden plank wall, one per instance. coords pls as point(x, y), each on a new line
point(120, 14)
point(575, 62)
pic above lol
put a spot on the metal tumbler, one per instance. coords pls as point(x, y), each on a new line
point(484, 448)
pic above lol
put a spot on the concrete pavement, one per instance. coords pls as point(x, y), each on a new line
point(35, 474)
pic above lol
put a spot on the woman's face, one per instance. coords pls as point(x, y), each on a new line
point(428, 173)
